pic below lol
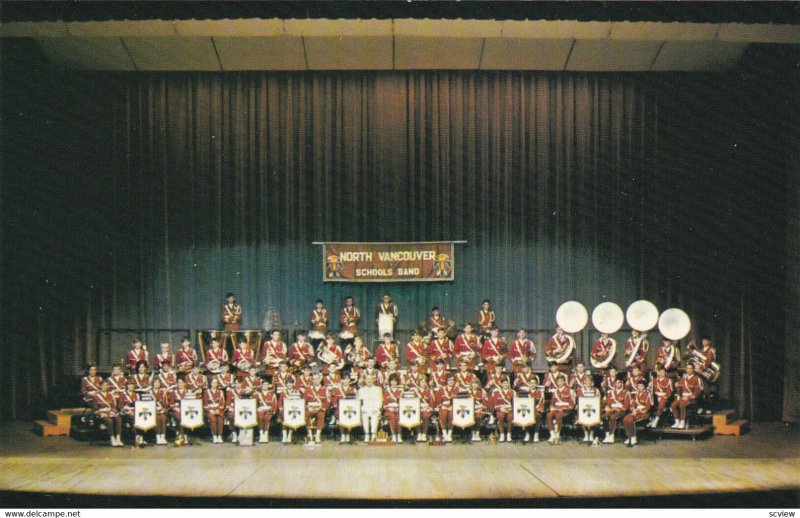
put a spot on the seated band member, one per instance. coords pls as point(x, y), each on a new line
point(610, 378)
point(486, 319)
point(304, 380)
point(602, 350)
point(216, 357)
point(464, 377)
point(552, 376)
point(502, 404)
point(319, 323)
point(165, 356)
point(703, 360)
point(167, 377)
point(180, 393)
point(562, 404)
point(284, 382)
point(493, 350)
point(495, 378)
point(579, 376)
point(316, 397)
point(274, 351)
point(636, 349)
point(371, 372)
point(385, 316)
point(413, 377)
point(137, 354)
point(224, 378)
point(481, 399)
point(521, 352)
point(526, 380)
point(589, 390)
point(127, 409)
point(301, 354)
point(233, 393)
point(371, 398)
point(669, 357)
point(441, 348)
point(634, 377)
point(243, 358)
point(392, 370)
point(417, 352)
point(195, 381)
point(662, 387)
point(335, 394)
point(444, 405)
point(106, 408)
point(467, 347)
point(386, 352)
point(438, 376)
point(357, 355)
point(90, 384)
point(186, 357)
point(349, 316)
point(557, 347)
point(427, 404)
point(688, 389)
point(141, 380)
point(266, 408)
point(116, 381)
point(391, 407)
point(617, 404)
point(641, 403)
point(435, 322)
point(214, 406)
point(161, 396)
point(330, 356)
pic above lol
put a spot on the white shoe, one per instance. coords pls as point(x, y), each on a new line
point(491, 419)
point(347, 437)
point(596, 441)
point(119, 441)
point(683, 425)
point(319, 437)
point(608, 439)
point(425, 437)
point(527, 436)
point(262, 437)
point(234, 437)
point(341, 438)
point(611, 439)
point(535, 436)
point(400, 438)
point(634, 441)
point(113, 441)
point(508, 436)
point(626, 441)
point(552, 437)
point(676, 424)
point(394, 438)
point(655, 421)
point(586, 436)
point(289, 436)
point(285, 435)
point(449, 436)
point(502, 438)
point(419, 436)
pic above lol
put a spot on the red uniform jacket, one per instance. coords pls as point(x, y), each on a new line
point(252, 382)
point(661, 357)
point(357, 356)
point(641, 403)
point(495, 381)
point(126, 403)
point(373, 373)
point(105, 404)
point(162, 401)
point(316, 398)
point(349, 318)
point(231, 396)
point(186, 359)
point(117, 384)
point(618, 400)
point(336, 394)
point(710, 355)
point(485, 320)
point(303, 382)
point(550, 379)
point(436, 322)
point(444, 398)
point(492, 348)
point(415, 352)
point(526, 381)
point(438, 378)
point(135, 357)
point(641, 354)
point(319, 320)
point(141, 381)
point(521, 349)
point(267, 402)
point(427, 399)
point(383, 354)
point(464, 381)
point(196, 382)
point(502, 400)
point(601, 349)
point(440, 350)
point(556, 346)
point(391, 399)
point(225, 380)
point(90, 385)
point(689, 387)
point(231, 316)
point(662, 388)
point(283, 382)
point(273, 352)
point(214, 401)
point(161, 359)
point(168, 380)
point(576, 380)
point(411, 380)
point(563, 399)
point(467, 346)
point(219, 354)
point(632, 380)
point(243, 359)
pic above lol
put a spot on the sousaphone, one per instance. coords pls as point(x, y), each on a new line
point(607, 318)
point(572, 317)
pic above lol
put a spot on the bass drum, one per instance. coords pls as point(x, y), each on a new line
point(674, 324)
point(572, 316)
point(642, 315)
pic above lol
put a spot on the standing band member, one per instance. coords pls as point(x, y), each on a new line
point(486, 319)
point(563, 403)
point(319, 323)
point(348, 319)
point(90, 384)
point(161, 395)
point(386, 315)
point(335, 395)
point(641, 403)
point(231, 316)
point(435, 322)
point(481, 399)
point(136, 355)
point(427, 404)
point(165, 356)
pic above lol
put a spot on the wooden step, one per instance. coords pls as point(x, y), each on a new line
point(722, 417)
point(737, 427)
point(47, 429)
point(63, 417)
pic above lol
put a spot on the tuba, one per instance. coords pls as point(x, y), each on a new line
point(635, 351)
point(697, 358)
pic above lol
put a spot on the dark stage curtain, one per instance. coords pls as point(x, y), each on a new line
point(164, 191)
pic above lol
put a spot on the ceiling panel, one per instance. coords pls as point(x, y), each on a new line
point(133, 28)
point(449, 28)
point(339, 27)
point(91, 53)
point(269, 53)
point(663, 31)
point(548, 29)
point(349, 53)
point(698, 55)
point(524, 54)
point(436, 53)
point(173, 53)
point(247, 27)
point(759, 32)
point(612, 55)
point(33, 29)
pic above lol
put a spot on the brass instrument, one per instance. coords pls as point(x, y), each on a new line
point(635, 351)
point(697, 358)
point(612, 353)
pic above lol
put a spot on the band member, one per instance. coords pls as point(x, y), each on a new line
point(440, 348)
point(557, 348)
point(301, 353)
point(427, 402)
point(116, 381)
point(634, 377)
point(331, 356)
point(413, 377)
point(416, 351)
point(464, 377)
point(494, 380)
point(486, 319)
point(319, 323)
point(165, 356)
point(386, 315)
point(391, 408)
point(252, 382)
point(266, 407)
point(372, 373)
point(636, 349)
point(106, 408)
point(562, 404)
point(579, 377)
point(602, 350)
point(357, 355)
point(371, 398)
point(702, 362)
point(179, 394)
point(243, 358)
point(304, 381)
point(216, 357)
point(589, 390)
point(348, 319)
point(391, 370)
point(275, 351)
point(444, 405)
point(481, 399)
point(186, 357)
point(161, 396)
point(502, 403)
point(609, 380)
point(526, 380)
point(552, 376)
point(641, 403)
point(214, 405)
point(231, 395)
point(167, 376)
point(468, 347)
point(493, 351)
point(617, 404)
point(669, 357)
point(141, 380)
point(439, 375)
point(224, 378)
point(127, 409)
point(284, 381)
point(335, 394)
point(90, 384)
point(689, 388)
point(231, 316)
point(436, 321)
point(138, 353)
point(316, 397)
point(195, 381)
point(521, 352)
point(662, 390)
point(386, 352)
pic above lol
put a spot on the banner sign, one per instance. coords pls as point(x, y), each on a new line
point(387, 262)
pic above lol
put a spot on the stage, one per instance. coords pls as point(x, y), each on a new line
point(765, 460)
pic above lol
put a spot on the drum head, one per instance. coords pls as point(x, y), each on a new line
point(608, 317)
point(572, 316)
point(674, 324)
point(642, 315)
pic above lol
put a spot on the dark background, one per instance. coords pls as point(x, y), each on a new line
point(139, 199)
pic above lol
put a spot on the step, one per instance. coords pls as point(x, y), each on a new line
point(737, 427)
point(722, 417)
point(63, 417)
point(47, 429)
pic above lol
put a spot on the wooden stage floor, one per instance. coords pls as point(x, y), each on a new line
point(767, 459)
